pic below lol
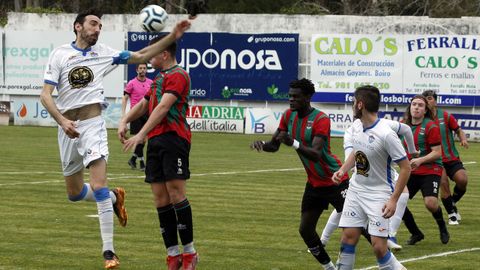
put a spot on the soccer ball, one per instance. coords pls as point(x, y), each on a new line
point(153, 18)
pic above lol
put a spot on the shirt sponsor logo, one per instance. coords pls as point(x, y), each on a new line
point(79, 77)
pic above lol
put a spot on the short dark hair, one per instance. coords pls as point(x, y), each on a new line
point(172, 48)
point(370, 96)
point(81, 17)
point(430, 93)
point(408, 115)
point(138, 65)
point(305, 85)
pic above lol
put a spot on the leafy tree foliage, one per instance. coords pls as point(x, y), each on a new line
point(432, 8)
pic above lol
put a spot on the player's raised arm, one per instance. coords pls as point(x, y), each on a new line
point(145, 54)
point(406, 132)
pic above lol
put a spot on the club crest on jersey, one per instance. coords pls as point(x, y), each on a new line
point(309, 124)
point(371, 139)
point(80, 77)
point(93, 54)
point(362, 164)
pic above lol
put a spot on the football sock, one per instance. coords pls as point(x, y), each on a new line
point(346, 258)
point(173, 250)
point(320, 254)
point(448, 204)
point(82, 195)
point(457, 193)
point(139, 151)
point(438, 216)
point(410, 222)
point(168, 225)
point(184, 221)
point(88, 195)
point(388, 262)
point(331, 226)
point(396, 219)
point(189, 248)
point(105, 217)
point(329, 266)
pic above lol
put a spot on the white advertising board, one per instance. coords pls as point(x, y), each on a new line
point(25, 60)
point(28, 110)
point(261, 121)
point(400, 66)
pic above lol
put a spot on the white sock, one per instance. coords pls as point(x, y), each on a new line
point(189, 248)
point(173, 251)
point(346, 258)
point(389, 262)
point(105, 217)
point(89, 197)
point(330, 227)
point(329, 266)
point(396, 219)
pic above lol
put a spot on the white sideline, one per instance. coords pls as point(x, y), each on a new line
point(126, 176)
point(428, 256)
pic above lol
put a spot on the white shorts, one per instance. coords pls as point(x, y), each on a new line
point(362, 210)
point(92, 144)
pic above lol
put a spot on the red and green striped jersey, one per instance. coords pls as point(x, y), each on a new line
point(426, 135)
point(174, 81)
point(447, 124)
point(316, 123)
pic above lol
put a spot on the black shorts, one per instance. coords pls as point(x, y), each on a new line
point(320, 197)
point(167, 158)
point(428, 184)
point(453, 167)
point(137, 124)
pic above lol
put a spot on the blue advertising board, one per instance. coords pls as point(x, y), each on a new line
point(403, 99)
point(465, 121)
point(226, 66)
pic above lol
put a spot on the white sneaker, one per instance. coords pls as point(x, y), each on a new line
point(392, 244)
point(452, 219)
point(458, 216)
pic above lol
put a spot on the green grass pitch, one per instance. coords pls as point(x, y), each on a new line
point(245, 206)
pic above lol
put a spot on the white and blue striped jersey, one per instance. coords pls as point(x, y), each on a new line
point(375, 148)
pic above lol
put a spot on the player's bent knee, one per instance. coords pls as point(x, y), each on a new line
point(431, 204)
point(461, 179)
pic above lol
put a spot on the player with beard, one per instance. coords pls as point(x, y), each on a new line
point(77, 71)
point(307, 131)
point(372, 196)
point(402, 130)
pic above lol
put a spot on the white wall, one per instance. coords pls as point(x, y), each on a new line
point(305, 25)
